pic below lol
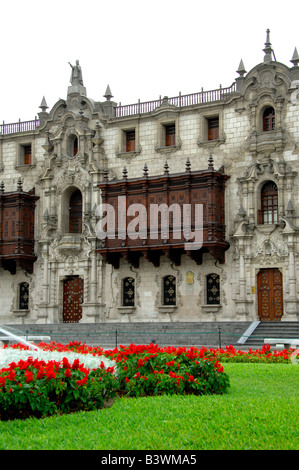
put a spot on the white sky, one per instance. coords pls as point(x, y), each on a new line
point(141, 49)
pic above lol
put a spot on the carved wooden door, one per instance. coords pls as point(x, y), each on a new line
point(270, 294)
point(72, 299)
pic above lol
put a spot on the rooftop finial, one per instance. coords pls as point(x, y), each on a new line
point(43, 105)
point(295, 58)
point(268, 49)
point(108, 95)
point(241, 70)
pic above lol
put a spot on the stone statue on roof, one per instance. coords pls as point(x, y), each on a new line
point(76, 76)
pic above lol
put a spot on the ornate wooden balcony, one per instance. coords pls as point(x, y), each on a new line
point(204, 187)
point(17, 229)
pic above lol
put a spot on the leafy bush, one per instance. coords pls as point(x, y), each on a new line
point(38, 388)
point(152, 372)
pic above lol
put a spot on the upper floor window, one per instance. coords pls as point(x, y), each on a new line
point(27, 154)
point(269, 204)
point(130, 140)
point(169, 135)
point(75, 212)
point(72, 145)
point(213, 128)
point(268, 119)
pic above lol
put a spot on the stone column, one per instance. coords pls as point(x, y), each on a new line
point(92, 310)
point(46, 274)
point(291, 303)
point(242, 302)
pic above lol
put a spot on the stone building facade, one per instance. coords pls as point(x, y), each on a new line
point(233, 150)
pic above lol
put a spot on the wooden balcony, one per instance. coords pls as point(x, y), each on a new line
point(17, 229)
point(191, 188)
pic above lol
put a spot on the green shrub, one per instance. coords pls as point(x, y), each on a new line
point(156, 373)
point(36, 388)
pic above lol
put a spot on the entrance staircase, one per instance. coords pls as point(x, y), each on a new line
point(287, 329)
point(208, 334)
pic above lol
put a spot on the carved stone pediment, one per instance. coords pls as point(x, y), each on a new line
point(271, 79)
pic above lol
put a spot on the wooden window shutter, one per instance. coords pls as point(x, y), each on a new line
point(170, 135)
point(27, 155)
point(130, 141)
point(213, 128)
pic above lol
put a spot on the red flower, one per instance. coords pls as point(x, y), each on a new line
point(127, 380)
point(82, 382)
point(51, 374)
point(67, 373)
point(76, 364)
point(40, 373)
point(29, 376)
point(11, 375)
point(171, 363)
point(65, 363)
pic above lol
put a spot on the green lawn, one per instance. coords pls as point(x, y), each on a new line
point(260, 412)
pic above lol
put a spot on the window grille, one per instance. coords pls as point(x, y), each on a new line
point(129, 292)
point(169, 290)
point(24, 296)
point(213, 289)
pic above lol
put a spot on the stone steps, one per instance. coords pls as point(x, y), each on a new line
point(273, 330)
point(208, 334)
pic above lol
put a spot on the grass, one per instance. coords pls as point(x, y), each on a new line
point(260, 412)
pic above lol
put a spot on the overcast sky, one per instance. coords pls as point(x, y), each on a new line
point(141, 49)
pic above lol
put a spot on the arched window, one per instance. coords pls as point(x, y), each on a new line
point(269, 204)
point(169, 290)
point(72, 145)
point(213, 289)
point(268, 119)
point(75, 212)
point(23, 296)
point(128, 292)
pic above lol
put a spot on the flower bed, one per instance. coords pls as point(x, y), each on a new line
point(33, 387)
point(57, 381)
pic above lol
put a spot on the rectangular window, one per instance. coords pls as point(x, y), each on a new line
point(169, 290)
point(213, 128)
point(169, 135)
point(128, 292)
point(213, 289)
point(26, 155)
point(130, 141)
point(23, 296)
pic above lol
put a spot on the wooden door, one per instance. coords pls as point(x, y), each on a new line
point(270, 294)
point(72, 299)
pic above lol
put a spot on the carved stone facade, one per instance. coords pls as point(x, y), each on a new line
point(247, 136)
